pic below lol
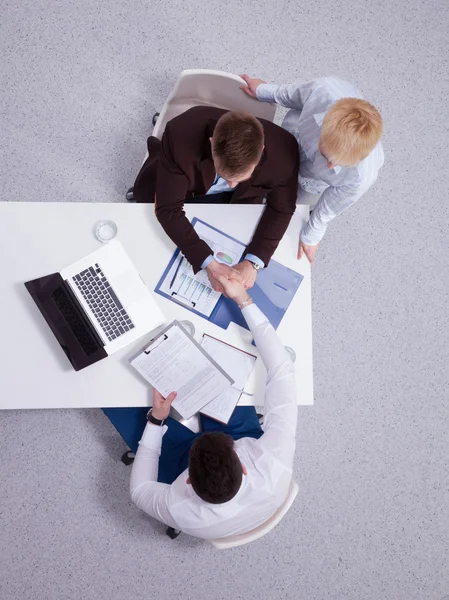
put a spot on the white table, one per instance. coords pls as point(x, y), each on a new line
point(41, 238)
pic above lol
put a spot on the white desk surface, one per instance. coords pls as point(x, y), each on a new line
point(42, 238)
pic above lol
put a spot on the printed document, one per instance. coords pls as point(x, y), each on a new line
point(194, 291)
point(175, 362)
point(239, 365)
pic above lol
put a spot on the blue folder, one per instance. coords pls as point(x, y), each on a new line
point(273, 292)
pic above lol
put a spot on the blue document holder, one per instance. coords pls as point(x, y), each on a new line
point(273, 292)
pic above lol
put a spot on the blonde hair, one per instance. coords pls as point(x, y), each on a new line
point(351, 129)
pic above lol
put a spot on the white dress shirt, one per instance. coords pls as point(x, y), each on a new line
point(268, 460)
point(339, 187)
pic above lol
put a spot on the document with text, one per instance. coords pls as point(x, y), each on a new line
point(194, 290)
point(239, 365)
point(174, 361)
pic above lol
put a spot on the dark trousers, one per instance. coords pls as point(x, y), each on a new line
point(178, 439)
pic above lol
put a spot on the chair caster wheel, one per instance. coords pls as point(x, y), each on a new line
point(172, 533)
point(128, 458)
point(155, 116)
point(130, 194)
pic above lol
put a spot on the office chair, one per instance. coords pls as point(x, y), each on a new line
point(128, 423)
point(233, 541)
point(251, 536)
point(203, 87)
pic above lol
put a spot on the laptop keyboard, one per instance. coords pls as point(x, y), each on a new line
point(103, 302)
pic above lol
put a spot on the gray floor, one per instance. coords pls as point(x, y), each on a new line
point(81, 81)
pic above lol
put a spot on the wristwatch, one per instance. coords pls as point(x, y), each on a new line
point(153, 420)
point(256, 267)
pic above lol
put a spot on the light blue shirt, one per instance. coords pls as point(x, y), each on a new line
point(340, 187)
point(221, 185)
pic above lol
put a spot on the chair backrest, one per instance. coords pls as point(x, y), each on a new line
point(199, 87)
point(258, 532)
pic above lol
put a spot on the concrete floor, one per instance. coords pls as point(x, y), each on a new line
point(80, 83)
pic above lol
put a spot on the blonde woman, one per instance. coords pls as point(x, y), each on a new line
point(339, 143)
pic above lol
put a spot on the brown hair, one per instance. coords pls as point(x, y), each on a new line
point(237, 142)
point(215, 470)
point(351, 129)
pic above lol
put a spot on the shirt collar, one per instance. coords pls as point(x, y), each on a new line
point(319, 118)
point(310, 147)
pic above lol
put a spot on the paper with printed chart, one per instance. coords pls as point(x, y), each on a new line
point(194, 291)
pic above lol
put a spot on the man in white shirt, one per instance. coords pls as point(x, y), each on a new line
point(339, 142)
point(232, 478)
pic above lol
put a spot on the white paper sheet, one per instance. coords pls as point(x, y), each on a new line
point(175, 362)
point(195, 291)
point(238, 364)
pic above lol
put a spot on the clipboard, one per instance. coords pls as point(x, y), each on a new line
point(195, 375)
point(273, 291)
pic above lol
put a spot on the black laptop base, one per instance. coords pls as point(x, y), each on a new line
point(71, 327)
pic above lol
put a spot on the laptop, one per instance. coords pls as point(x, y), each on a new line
point(96, 306)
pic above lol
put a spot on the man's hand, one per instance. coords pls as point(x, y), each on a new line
point(251, 85)
point(309, 251)
point(216, 270)
point(161, 405)
point(248, 273)
point(235, 290)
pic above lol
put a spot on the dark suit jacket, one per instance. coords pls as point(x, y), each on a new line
point(181, 167)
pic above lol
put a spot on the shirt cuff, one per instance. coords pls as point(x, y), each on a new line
point(255, 259)
point(266, 91)
point(253, 315)
point(310, 237)
point(207, 261)
point(152, 436)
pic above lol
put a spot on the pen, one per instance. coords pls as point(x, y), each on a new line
point(176, 272)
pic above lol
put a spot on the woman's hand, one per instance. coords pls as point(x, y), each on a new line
point(251, 85)
point(309, 251)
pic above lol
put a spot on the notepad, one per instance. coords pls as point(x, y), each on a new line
point(174, 361)
point(238, 364)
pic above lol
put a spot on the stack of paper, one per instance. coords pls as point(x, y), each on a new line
point(173, 361)
point(238, 364)
point(208, 378)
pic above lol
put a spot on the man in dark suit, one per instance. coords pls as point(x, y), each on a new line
point(209, 155)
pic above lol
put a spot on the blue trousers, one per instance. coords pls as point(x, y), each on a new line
point(178, 439)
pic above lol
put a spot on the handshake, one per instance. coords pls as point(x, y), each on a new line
point(232, 281)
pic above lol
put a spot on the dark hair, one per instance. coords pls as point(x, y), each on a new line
point(215, 470)
point(238, 141)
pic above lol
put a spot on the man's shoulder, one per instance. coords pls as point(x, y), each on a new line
point(281, 146)
point(187, 133)
point(272, 130)
point(195, 116)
